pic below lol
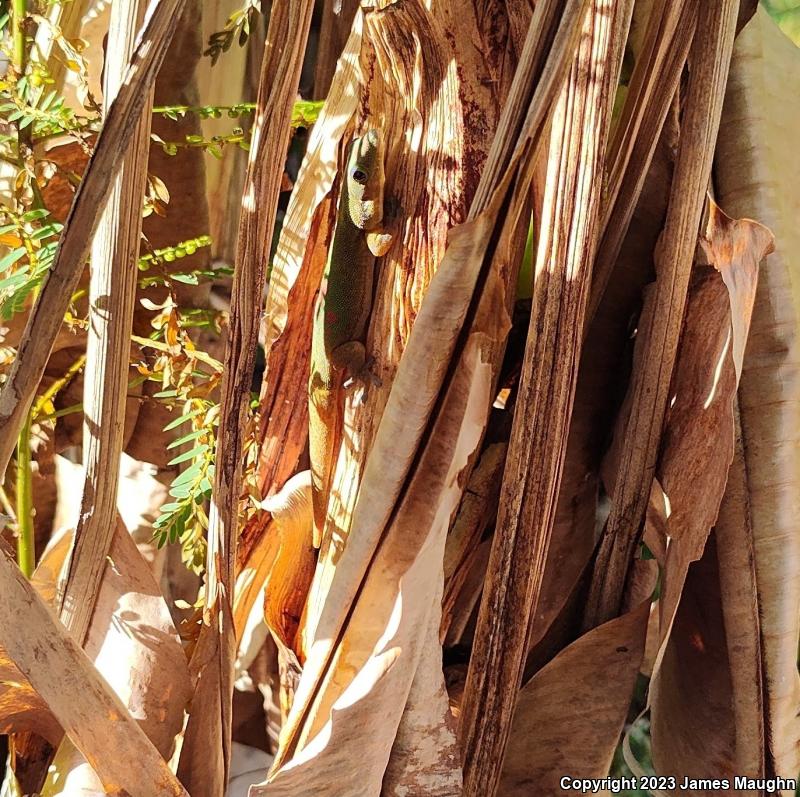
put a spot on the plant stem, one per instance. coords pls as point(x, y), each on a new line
point(26, 556)
point(25, 539)
point(18, 11)
point(61, 382)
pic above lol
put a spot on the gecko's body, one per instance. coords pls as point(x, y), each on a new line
point(341, 315)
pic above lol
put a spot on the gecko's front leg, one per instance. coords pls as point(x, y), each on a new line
point(351, 359)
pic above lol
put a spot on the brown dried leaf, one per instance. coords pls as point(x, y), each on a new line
point(697, 443)
point(563, 724)
point(693, 731)
point(292, 568)
point(697, 449)
point(735, 247)
point(707, 705)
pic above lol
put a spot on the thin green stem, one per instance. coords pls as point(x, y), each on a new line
point(52, 391)
point(205, 110)
point(26, 555)
point(18, 11)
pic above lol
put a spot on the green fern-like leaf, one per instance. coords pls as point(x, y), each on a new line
point(183, 519)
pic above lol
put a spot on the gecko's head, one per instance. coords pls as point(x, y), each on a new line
point(365, 180)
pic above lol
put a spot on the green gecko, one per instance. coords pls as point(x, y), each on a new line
point(341, 315)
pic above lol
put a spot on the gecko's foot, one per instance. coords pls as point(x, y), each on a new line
point(380, 240)
point(379, 243)
point(365, 377)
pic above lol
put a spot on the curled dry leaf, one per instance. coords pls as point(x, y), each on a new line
point(707, 704)
point(735, 247)
point(553, 732)
point(697, 441)
point(292, 569)
point(692, 726)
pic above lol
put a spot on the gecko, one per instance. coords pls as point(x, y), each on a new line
point(342, 311)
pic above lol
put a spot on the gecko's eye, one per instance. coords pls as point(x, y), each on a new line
point(359, 176)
